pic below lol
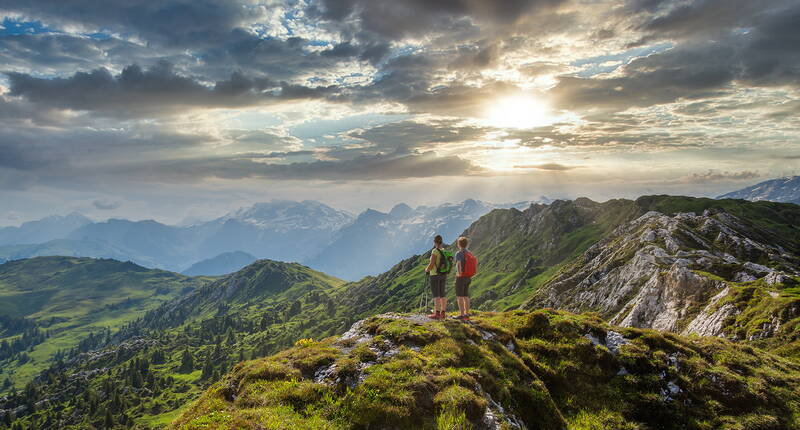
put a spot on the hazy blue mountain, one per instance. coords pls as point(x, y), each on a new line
point(308, 232)
point(227, 262)
point(376, 240)
point(43, 230)
point(279, 230)
point(74, 248)
point(784, 190)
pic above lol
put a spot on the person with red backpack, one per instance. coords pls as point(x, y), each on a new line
point(466, 267)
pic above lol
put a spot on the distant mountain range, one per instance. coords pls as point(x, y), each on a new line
point(785, 190)
point(43, 230)
point(309, 232)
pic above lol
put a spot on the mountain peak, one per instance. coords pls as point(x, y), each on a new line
point(784, 190)
point(400, 210)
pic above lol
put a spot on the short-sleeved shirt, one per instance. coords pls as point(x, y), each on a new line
point(461, 257)
point(436, 254)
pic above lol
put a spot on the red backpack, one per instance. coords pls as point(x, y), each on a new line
point(470, 265)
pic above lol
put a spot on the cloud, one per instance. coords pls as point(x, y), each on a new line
point(718, 176)
point(405, 136)
point(106, 205)
point(159, 90)
point(176, 22)
point(762, 55)
point(397, 19)
point(546, 166)
point(362, 168)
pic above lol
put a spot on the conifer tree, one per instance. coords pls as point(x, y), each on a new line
point(208, 368)
point(187, 362)
point(108, 421)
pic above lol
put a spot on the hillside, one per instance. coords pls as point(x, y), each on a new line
point(786, 190)
point(540, 370)
point(679, 272)
point(151, 367)
point(50, 304)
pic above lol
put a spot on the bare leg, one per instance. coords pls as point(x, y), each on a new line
point(466, 305)
point(444, 304)
point(460, 301)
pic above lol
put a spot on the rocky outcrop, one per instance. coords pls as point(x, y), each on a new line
point(668, 272)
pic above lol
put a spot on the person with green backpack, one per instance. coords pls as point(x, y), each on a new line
point(438, 268)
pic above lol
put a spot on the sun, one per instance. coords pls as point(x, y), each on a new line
point(518, 111)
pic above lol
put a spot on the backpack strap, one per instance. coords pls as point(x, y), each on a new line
point(441, 260)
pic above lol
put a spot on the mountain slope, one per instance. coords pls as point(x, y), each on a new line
point(222, 264)
point(74, 248)
point(375, 241)
point(679, 273)
point(280, 230)
point(144, 372)
point(540, 370)
point(49, 304)
point(786, 190)
point(43, 230)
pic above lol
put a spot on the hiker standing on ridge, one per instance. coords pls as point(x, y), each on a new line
point(466, 267)
point(438, 268)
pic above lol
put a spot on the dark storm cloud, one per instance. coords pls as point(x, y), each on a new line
point(158, 90)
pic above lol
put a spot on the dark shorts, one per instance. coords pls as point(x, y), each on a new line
point(437, 285)
point(462, 287)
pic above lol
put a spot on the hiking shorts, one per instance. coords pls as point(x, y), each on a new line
point(437, 285)
point(462, 286)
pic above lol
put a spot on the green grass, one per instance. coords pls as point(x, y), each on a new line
point(555, 378)
point(73, 297)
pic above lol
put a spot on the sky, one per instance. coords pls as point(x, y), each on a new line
point(191, 108)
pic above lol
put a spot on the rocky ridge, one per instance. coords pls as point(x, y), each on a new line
point(670, 272)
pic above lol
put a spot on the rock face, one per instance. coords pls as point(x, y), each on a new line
point(668, 272)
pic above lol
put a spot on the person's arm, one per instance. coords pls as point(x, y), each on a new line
point(459, 267)
point(431, 264)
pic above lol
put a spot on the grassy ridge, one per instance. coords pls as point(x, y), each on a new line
point(69, 298)
point(547, 369)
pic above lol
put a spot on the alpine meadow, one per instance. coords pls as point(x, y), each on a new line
point(400, 214)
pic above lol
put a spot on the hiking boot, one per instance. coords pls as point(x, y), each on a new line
point(441, 315)
point(434, 316)
point(461, 317)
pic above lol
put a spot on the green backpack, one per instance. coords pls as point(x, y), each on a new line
point(445, 261)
